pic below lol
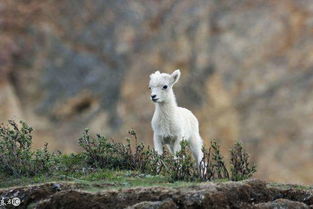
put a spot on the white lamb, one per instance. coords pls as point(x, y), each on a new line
point(172, 124)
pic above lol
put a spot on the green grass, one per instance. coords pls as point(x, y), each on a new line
point(98, 180)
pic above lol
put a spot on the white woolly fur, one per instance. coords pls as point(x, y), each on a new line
point(172, 124)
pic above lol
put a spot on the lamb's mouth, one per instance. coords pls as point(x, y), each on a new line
point(155, 100)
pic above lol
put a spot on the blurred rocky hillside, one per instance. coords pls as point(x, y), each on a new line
point(247, 71)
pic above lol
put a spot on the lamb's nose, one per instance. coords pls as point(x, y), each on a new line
point(153, 96)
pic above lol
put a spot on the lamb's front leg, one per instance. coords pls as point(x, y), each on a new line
point(158, 146)
point(177, 146)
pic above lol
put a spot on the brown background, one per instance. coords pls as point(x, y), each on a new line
point(247, 72)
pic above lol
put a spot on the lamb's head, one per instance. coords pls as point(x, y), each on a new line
point(161, 85)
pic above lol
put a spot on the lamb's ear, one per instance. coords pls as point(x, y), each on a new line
point(175, 76)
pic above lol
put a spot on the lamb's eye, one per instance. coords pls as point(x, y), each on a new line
point(165, 87)
point(149, 87)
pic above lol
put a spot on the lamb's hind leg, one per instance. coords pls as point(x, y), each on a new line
point(170, 148)
point(196, 148)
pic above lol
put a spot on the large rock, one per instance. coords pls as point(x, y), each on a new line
point(246, 71)
point(252, 194)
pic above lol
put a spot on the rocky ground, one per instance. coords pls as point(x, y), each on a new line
point(250, 194)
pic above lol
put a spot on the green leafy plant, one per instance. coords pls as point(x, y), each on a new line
point(240, 166)
point(212, 165)
point(102, 153)
point(181, 166)
point(16, 156)
point(72, 163)
point(218, 166)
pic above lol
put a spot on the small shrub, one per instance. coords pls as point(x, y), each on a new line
point(101, 153)
point(43, 161)
point(218, 166)
point(105, 154)
point(205, 169)
point(139, 159)
point(240, 166)
point(72, 163)
point(212, 165)
point(181, 167)
point(16, 157)
point(155, 164)
point(145, 160)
